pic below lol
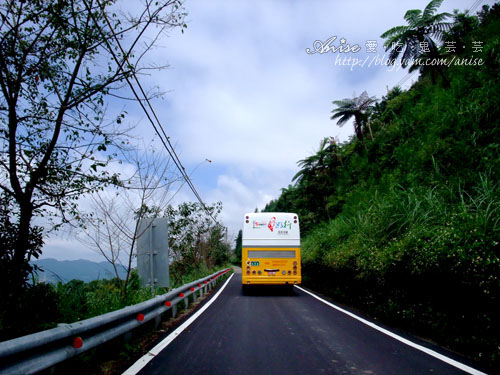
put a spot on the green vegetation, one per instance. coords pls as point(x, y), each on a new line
point(238, 248)
point(196, 243)
point(50, 304)
point(77, 300)
point(46, 305)
point(406, 225)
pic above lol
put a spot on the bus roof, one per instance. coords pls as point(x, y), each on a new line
point(271, 229)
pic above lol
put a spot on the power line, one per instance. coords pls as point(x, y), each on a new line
point(405, 78)
point(475, 5)
point(162, 135)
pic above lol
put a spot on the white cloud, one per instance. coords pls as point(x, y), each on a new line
point(238, 198)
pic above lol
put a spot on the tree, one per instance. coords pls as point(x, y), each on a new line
point(218, 247)
point(58, 62)
point(318, 163)
point(239, 245)
point(113, 228)
point(8, 238)
point(415, 39)
point(195, 240)
point(384, 110)
point(461, 34)
point(357, 107)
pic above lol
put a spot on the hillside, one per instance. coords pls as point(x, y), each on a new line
point(403, 221)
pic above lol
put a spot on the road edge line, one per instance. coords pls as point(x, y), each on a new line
point(428, 351)
point(146, 358)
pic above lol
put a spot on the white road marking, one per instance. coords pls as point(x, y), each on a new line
point(428, 351)
point(145, 359)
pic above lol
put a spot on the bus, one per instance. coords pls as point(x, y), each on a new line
point(271, 249)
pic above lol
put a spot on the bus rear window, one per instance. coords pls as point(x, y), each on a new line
point(271, 254)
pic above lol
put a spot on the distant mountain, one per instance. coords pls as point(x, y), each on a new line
point(52, 270)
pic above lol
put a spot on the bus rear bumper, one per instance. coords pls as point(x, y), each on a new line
point(271, 280)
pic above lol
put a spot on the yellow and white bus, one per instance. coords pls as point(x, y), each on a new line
point(271, 249)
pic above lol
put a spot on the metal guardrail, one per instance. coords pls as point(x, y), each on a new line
point(38, 351)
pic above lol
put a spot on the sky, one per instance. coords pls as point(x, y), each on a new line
point(246, 90)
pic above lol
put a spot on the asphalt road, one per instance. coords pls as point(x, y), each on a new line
point(275, 331)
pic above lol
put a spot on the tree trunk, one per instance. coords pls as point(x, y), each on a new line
point(22, 244)
point(370, 129)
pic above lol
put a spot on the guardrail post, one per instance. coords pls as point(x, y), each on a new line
point(194, 296)
point(127, 337)
point(174, 311)
point(157, 321)
point(186, 303)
